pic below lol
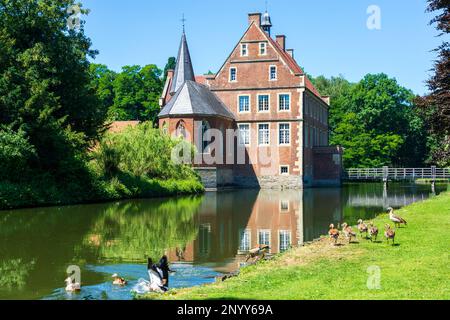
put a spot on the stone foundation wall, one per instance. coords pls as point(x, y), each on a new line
point(208, 177)
point(269, 182)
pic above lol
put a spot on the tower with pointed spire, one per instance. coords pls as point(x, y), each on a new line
point(183, 69)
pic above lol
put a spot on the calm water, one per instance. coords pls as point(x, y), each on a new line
point(203, 236)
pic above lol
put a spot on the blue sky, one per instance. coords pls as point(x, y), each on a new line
point(330, 37)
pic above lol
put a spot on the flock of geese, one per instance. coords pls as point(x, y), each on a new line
point(370, 230)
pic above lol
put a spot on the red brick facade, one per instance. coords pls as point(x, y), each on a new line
point(264, 88)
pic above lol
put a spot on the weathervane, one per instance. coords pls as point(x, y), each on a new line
point(183, 20)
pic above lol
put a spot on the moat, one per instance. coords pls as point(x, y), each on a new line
point(203, 236)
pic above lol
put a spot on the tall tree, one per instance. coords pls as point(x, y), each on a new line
point(436, 106)
point(44, 79)
point(136, 93)
point(170, 65)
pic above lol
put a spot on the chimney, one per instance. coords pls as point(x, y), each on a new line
point(170, 73)
point(281, 40)
point(254, 17)
point(290, 52)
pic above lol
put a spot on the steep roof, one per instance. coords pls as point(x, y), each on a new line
point(195, 99)
point(183, 70)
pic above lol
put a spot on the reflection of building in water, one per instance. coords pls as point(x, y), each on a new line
point(232, 223)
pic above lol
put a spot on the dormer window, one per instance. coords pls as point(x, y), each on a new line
point(244, 50)
point(233, 74)
point(262, 48)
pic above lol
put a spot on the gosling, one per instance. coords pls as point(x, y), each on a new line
point(362, 227)
point(373, 231)
point(348, 232)
point(334, 234)
point(389, 234)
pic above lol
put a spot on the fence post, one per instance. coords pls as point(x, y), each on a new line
point(385, 176)
point(433, 179)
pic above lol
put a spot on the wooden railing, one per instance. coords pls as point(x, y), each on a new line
point(386, 173)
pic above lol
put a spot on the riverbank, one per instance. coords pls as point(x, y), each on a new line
point(415, 268)
point(43, 191)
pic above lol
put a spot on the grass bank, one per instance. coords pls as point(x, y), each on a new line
point(44, 191)
point(416, 268)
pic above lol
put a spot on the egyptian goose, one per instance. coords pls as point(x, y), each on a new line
point(373, 231)
point(334, 234)
point(348, 232)
point(258, 253)
point(118, 281)
point(389, 234)
point(362, 227)
point(71, 286)
point(396, 219)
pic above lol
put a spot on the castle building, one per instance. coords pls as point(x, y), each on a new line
point(261, 94)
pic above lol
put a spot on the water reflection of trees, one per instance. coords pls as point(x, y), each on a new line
point(134, 230)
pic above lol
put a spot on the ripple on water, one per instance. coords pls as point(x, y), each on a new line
point(186, 275)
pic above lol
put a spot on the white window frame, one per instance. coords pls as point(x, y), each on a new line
point(285, 174)
point(259, 142)
point(257, 102)
point(241, 238)
point(249, 134)
point(290, 101)
point(267, 232)
point(239, 103)
point(242, 49)
point(288, 206)
point(290, 134)
point(288, 232)
point(235, 74)
point(270, 73)
point(261, 45)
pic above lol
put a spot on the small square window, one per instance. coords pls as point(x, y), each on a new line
point(284, 170)
point(284, 206)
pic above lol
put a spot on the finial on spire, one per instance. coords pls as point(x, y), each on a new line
point(183, 21)
point(266, 5)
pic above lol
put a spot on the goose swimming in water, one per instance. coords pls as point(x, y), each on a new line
point(396, 219)
point(71, 286)
point(118, 281)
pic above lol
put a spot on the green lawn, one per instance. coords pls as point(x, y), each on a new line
point(417, 268)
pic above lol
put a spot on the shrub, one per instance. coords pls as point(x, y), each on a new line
point(15, 153)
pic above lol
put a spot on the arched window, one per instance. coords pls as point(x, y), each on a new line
point(206, 136)
point(164, 128)
point(181, 129)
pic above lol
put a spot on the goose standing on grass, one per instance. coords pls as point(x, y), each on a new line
point(72, 286)
point(362, 227)
point(258, 253)
point(348, 232)
point(334, 234)
point(396, 219)
point(389, 234)
point(373, 231)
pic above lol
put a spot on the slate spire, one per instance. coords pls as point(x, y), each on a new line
point(183, 68)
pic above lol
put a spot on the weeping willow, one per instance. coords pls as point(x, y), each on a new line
point(134, 231)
